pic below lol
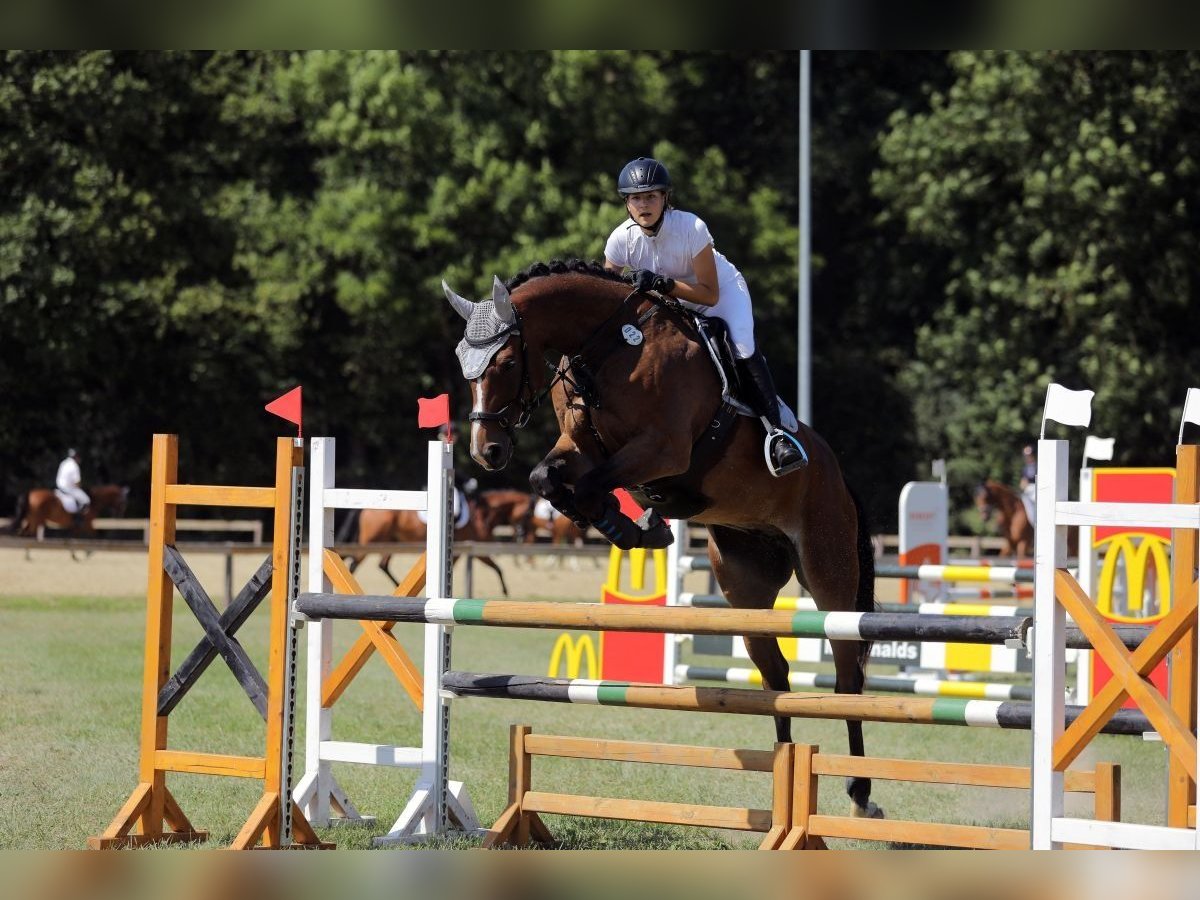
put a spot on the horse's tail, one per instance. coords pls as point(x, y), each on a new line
point(19, 514)
point(348, 527)
point(865, 600)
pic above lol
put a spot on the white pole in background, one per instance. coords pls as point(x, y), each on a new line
point(803, 337)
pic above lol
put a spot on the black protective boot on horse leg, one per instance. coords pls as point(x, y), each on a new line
point(782, 450)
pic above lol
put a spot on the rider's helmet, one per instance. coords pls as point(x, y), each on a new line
point(643, 174)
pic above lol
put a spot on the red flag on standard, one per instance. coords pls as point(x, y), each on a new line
point(433, 411)
point(289, 407)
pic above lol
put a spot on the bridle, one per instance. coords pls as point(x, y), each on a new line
point(503, 417)
point(529, 400)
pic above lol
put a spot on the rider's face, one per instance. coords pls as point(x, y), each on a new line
point(646, 208)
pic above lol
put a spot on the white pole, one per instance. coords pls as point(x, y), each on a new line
point(679, 529)
point(314, 791)
point(1049, 633)
point(804, 335)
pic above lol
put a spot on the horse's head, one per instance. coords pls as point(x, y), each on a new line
point(492, 354)
point(111, 498)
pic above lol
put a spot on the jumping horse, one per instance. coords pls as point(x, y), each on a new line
point(995, 499)
point(639, 405)
point(41, 506)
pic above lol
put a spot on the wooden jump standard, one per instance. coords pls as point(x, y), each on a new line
point(844, 626)
point(276, 821)
point(792, 821)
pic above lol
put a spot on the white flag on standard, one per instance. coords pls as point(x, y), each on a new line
point(1067, 406)
point(1191, 410)
point(1098, 448)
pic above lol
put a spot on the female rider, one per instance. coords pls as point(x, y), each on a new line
point(671, 251)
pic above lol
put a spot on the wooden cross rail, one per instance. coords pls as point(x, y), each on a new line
point(219, 630)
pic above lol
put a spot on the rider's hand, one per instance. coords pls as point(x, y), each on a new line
point(646, 280)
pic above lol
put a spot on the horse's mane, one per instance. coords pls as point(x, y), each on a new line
point(564, 267)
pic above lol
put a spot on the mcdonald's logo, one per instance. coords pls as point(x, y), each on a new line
point(575, 650)
point(1136, 557)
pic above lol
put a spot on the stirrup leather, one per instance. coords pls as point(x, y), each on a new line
point(778, 434)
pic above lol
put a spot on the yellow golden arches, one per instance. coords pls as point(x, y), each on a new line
point(1136, 556)
point(637, 571)
point(576, 649)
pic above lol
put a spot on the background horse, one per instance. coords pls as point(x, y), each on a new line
point(635, 395)
point(995, 499)
point(42, 506)
point(400, 526)
point(507, 507)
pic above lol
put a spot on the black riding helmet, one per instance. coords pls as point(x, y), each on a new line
point(643, 174)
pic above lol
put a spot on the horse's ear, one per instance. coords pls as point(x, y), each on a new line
point(461, 305)
point(504, 308)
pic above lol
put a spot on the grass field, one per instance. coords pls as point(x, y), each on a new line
point(70, 675)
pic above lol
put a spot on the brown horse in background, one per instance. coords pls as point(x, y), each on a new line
point(41, 506)
point(518, 510)
point(635, 394)
point(402, 526)
point(995, 499)
point(508, 507)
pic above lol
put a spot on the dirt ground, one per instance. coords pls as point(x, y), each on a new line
point(50, 571)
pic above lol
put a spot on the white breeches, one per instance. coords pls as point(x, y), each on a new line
point(73, 499)
point(735, 310)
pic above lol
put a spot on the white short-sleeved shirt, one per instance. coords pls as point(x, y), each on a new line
point(670, 253)
point(68, 475)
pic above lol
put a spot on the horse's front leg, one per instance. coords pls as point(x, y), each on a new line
point(642, 460)
point(553, 476)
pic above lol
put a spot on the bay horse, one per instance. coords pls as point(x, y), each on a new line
point(995, 499)
point(518, 510)
point(508, 507)
point(636, 395)
point(42, 506)
point(399, 526)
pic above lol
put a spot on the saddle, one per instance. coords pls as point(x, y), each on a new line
point(715, 334)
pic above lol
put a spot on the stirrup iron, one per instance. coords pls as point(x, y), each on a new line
point(774, 434)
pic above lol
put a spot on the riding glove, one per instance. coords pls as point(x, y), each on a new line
point(645, 280)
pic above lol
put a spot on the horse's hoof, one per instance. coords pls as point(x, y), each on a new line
point(873, 811)
point(655, 533)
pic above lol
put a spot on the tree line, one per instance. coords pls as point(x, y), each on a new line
point(184, 236)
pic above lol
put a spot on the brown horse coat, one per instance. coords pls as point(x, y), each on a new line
point(994, 498)
point(41, 506)
point(635, 392)
point(401, 526)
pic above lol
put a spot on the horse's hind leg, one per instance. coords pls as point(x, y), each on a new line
point(849, 679)
point(384, 566)
point(751, 568)
point(491, 564)
point(831, 567)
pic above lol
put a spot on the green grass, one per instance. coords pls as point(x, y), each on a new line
point(70, 683)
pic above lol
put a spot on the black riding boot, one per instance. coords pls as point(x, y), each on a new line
point(783, 451)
